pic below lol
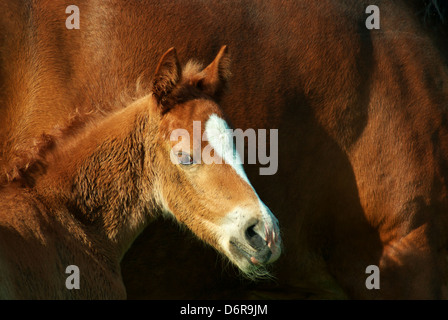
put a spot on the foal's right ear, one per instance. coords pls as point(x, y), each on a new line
point(167, 75)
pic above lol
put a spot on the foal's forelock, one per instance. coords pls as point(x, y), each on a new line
point(192, 68)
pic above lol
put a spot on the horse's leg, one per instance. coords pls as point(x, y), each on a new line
point(402, 193)
point(412, 266)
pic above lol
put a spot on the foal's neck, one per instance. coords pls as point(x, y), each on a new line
point(103, 177)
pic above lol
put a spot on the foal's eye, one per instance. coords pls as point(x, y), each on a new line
point(185, 158)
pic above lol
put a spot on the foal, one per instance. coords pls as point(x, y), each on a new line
point(101, 187)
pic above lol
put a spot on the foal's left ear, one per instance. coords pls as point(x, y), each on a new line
point(167, 75)
point(214, 77)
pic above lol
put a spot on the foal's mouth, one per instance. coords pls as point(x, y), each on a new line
point(255, 257)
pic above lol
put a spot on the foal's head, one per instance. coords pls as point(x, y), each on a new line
point(198, 179)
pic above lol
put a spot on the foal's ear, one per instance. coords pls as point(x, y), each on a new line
point(167, 75)
point(215, 75)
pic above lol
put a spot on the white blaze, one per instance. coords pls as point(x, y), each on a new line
point(220, 137)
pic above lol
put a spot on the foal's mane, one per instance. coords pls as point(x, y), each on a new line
point(26, 164)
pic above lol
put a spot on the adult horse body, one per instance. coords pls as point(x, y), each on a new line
point(361, 117)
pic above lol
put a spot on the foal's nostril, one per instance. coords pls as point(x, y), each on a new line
point(254, 238)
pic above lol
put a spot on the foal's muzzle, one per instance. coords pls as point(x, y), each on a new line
point(262, 250)
point(260, 245)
